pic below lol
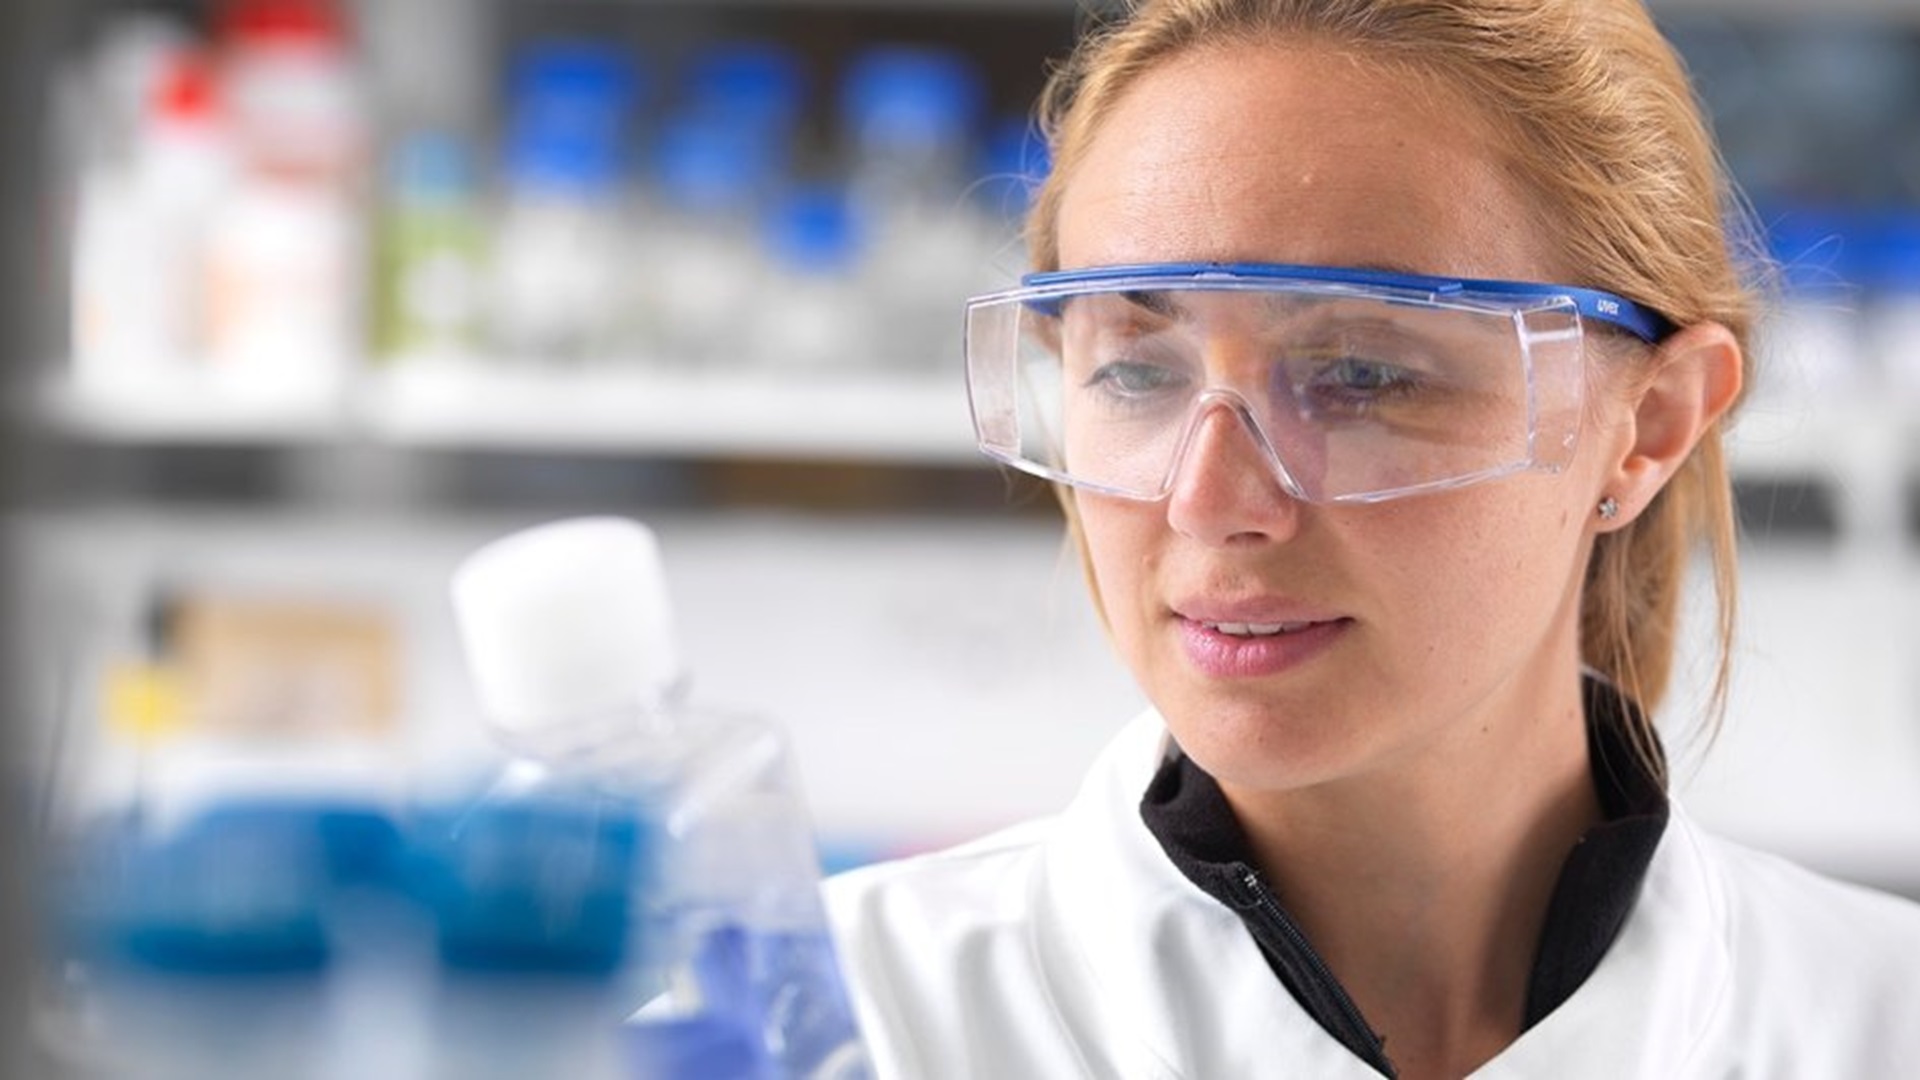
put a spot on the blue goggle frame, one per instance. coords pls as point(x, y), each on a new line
point(1642, 322)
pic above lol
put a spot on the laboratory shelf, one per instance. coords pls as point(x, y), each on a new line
point(186, 409)
point(635, 408)
point(908, 418)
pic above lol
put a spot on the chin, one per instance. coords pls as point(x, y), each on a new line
point(1266, 741)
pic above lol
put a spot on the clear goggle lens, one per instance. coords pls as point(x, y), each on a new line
point(1353, 394)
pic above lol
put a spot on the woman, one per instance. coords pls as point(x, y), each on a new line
point(1382, 349)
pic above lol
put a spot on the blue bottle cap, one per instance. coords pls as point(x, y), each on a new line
point(901, 95)
point(759, 83)
point(570, 108)
point(702, 163)
point(813, 230)
point(574, 74)
point(544, 158)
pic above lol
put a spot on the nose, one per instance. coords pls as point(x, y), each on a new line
point(1226, 488)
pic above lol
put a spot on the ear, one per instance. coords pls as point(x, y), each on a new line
point(1696, 378)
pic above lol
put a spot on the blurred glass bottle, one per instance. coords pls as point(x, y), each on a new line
point(760, 86)
point(286, 265)
point(728, 145)
point(697, 263)
point(812, 314)
point(141, 229)
point(570, 642)
point(908, 120)
point(431, 254)
point(563, 209)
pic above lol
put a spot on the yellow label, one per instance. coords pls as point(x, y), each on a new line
point(144, 702)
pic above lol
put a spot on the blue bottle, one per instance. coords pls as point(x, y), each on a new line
point(209, 948)
point(529, 891)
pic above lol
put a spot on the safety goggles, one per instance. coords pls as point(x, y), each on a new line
point(1355, 385)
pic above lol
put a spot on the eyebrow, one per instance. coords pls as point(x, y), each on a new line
point(1158, 301)
point(1166, 303)
point(1396, 269)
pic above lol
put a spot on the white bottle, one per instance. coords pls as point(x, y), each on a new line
point(286, 253)
point(139, 251)
point(569, 638)
point(120, 312)
point(284, 266)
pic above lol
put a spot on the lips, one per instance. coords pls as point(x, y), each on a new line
point(1241, 629)
point(1258, 612)
point(1254, 639)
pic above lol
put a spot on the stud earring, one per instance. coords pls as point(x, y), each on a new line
point(1609, 508)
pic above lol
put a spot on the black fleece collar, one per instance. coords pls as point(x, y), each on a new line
point(1187, 813)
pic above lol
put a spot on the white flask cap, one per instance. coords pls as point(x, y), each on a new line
point(566, 620)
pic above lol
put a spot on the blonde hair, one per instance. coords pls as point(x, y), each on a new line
point(1609, 140)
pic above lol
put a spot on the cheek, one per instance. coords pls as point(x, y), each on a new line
point(1482, 575)
point(1122, 542)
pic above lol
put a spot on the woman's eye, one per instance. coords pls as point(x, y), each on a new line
point(1130, 379)
point(1355, 382)
point(1358, 376)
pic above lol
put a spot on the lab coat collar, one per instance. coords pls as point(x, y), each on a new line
point(1168, 982)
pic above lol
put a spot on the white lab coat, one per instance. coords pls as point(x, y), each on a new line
point(1072, 947)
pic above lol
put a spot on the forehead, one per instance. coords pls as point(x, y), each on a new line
point(1281, 153)
point(1267, 318)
